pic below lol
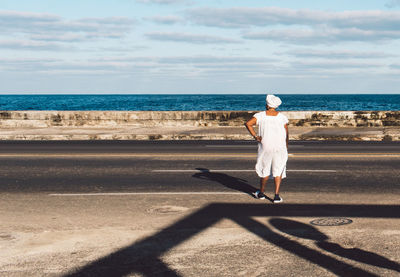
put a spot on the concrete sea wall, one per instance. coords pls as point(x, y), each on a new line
point(53, 125)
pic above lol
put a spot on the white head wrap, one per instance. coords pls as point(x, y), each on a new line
point(273, 101)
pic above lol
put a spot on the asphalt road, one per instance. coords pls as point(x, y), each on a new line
point(181, 209)
point(193, 167)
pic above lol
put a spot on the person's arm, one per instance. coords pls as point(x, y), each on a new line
point(287, 136)
point(249, 125)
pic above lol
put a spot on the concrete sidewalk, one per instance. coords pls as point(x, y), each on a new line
point(198, 235)
point(195, 133)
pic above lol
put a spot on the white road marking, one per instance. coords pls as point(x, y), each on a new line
point(231, 146)
point(244, 146)
point(236, 170)
point(147, 193)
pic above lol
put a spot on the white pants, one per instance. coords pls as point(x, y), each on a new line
point(272, 164)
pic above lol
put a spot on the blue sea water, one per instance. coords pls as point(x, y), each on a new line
point(199, 102)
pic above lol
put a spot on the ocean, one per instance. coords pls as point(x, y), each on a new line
point(200, 102)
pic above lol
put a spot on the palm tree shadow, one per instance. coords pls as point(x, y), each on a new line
point(227, 181)
point(359, 255)
point(305, 231)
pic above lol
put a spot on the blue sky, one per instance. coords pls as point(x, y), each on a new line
point(189, 46)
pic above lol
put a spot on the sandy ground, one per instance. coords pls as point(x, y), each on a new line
point(190, 235)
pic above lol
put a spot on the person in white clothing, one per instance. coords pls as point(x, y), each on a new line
point(273, 139)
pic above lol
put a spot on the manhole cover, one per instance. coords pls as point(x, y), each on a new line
point(331, 221)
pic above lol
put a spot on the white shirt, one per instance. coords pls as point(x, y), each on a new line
point(272, 131)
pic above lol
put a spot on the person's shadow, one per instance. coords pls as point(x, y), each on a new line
point(305, 231)
point(227, 181)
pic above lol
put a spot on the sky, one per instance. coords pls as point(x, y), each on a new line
point(199, 47)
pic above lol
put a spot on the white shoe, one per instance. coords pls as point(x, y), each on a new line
point(258, 194)
point(278, 199)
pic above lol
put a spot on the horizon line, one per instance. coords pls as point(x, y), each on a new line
point(32, 94)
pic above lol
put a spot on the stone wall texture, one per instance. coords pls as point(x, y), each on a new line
point(62, 122)
point(15, 119)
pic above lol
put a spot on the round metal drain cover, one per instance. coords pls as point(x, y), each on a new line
point(331, 221)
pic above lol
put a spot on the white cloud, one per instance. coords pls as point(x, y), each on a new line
point(122, 48)
point(393, 4)
point(335, 54)
point(214, 60)
point(195, 66)
point(188, 74)
point(307, 26)
point(69, 37)
point(270, 16)
point(47, 27)
point(134, 56)
point(18, 20)
point(180, 65)
point(167, 19)
point(189, 38)
point(322, 36)
point(25, 64)
point(332, 64)
point(73, 67)
point(27, 60)
point(30, 45)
